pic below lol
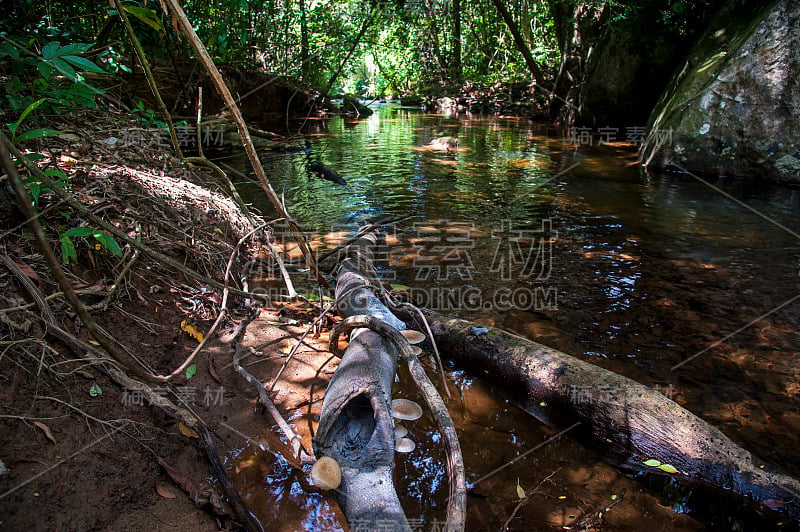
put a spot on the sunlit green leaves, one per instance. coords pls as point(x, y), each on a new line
point(103, 240)
point(148, 16)
point(667, 468)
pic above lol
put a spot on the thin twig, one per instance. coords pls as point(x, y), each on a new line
point(236, 114)
point(294, 439)
point(150, 79)
point(263, 396)
point(104, 340)
point(119, 279)
point(522, 503)
point(116, 232)
point(311, 393)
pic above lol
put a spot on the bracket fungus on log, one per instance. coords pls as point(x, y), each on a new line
point(404, 445)
point(413, 337)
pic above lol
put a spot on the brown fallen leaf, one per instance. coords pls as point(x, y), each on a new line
point(27, 270)
point(46, 430)
point(164, 491)
point(187, 431)
point(185, 483)
point(213, 370)
point(68, 161)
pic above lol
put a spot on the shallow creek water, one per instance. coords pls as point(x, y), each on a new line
point(578, 248)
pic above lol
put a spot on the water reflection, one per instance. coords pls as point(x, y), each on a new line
point(646, 270)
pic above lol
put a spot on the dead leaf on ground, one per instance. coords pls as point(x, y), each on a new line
point(46, 430)
point(27, 270)
point(187, 431)
point(184, 482)
point(191, 330)
point(68, 161)
point(164, 491)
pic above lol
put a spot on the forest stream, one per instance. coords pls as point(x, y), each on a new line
point(684, 284)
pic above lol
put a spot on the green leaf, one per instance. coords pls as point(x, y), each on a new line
point(35, 190)
point(400, 287)
point(50, 49)
point(28, 110)
point(667, 468)
point(64, 68)
point(8, 49)
point(148, 16)
point(108, 242)
point(83, 63)
point(37, 133)
point(56, 173)
point(68, 250)
point(652, 463)
point(45, 69)
point(77, 231)
point(73, 48)
point(95, 390)
point(190, 371)
point(33, 157)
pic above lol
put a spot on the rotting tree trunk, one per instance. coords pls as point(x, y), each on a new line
point(356, 427)
point(626, 422)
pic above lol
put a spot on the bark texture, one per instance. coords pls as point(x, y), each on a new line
point(626, 422)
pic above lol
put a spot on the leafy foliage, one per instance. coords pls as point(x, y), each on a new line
point(54, 65)
point(101, 241)
point(411, 46)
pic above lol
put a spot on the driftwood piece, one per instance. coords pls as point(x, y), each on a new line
point(356, 429)
point(626, 422)
point(356, 426)
point(326, 173)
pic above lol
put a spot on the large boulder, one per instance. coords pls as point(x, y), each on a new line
point(734, 107)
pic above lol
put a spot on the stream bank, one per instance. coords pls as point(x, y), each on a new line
point(570, 485)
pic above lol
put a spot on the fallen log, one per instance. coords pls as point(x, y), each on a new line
point(356, 427)
point(631, 425)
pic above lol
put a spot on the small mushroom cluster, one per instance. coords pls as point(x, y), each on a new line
point(414, 338)
point(407, 410)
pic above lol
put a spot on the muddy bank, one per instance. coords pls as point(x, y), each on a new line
point(79, 451)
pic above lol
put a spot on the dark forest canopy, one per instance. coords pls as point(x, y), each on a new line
point(385, 49)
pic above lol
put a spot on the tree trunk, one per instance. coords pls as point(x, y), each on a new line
point(456, 70)
point(344, 61)
point(626, 422)
point(356, 427)
point(536, 72)
point(577, 25)
point(304, 66)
